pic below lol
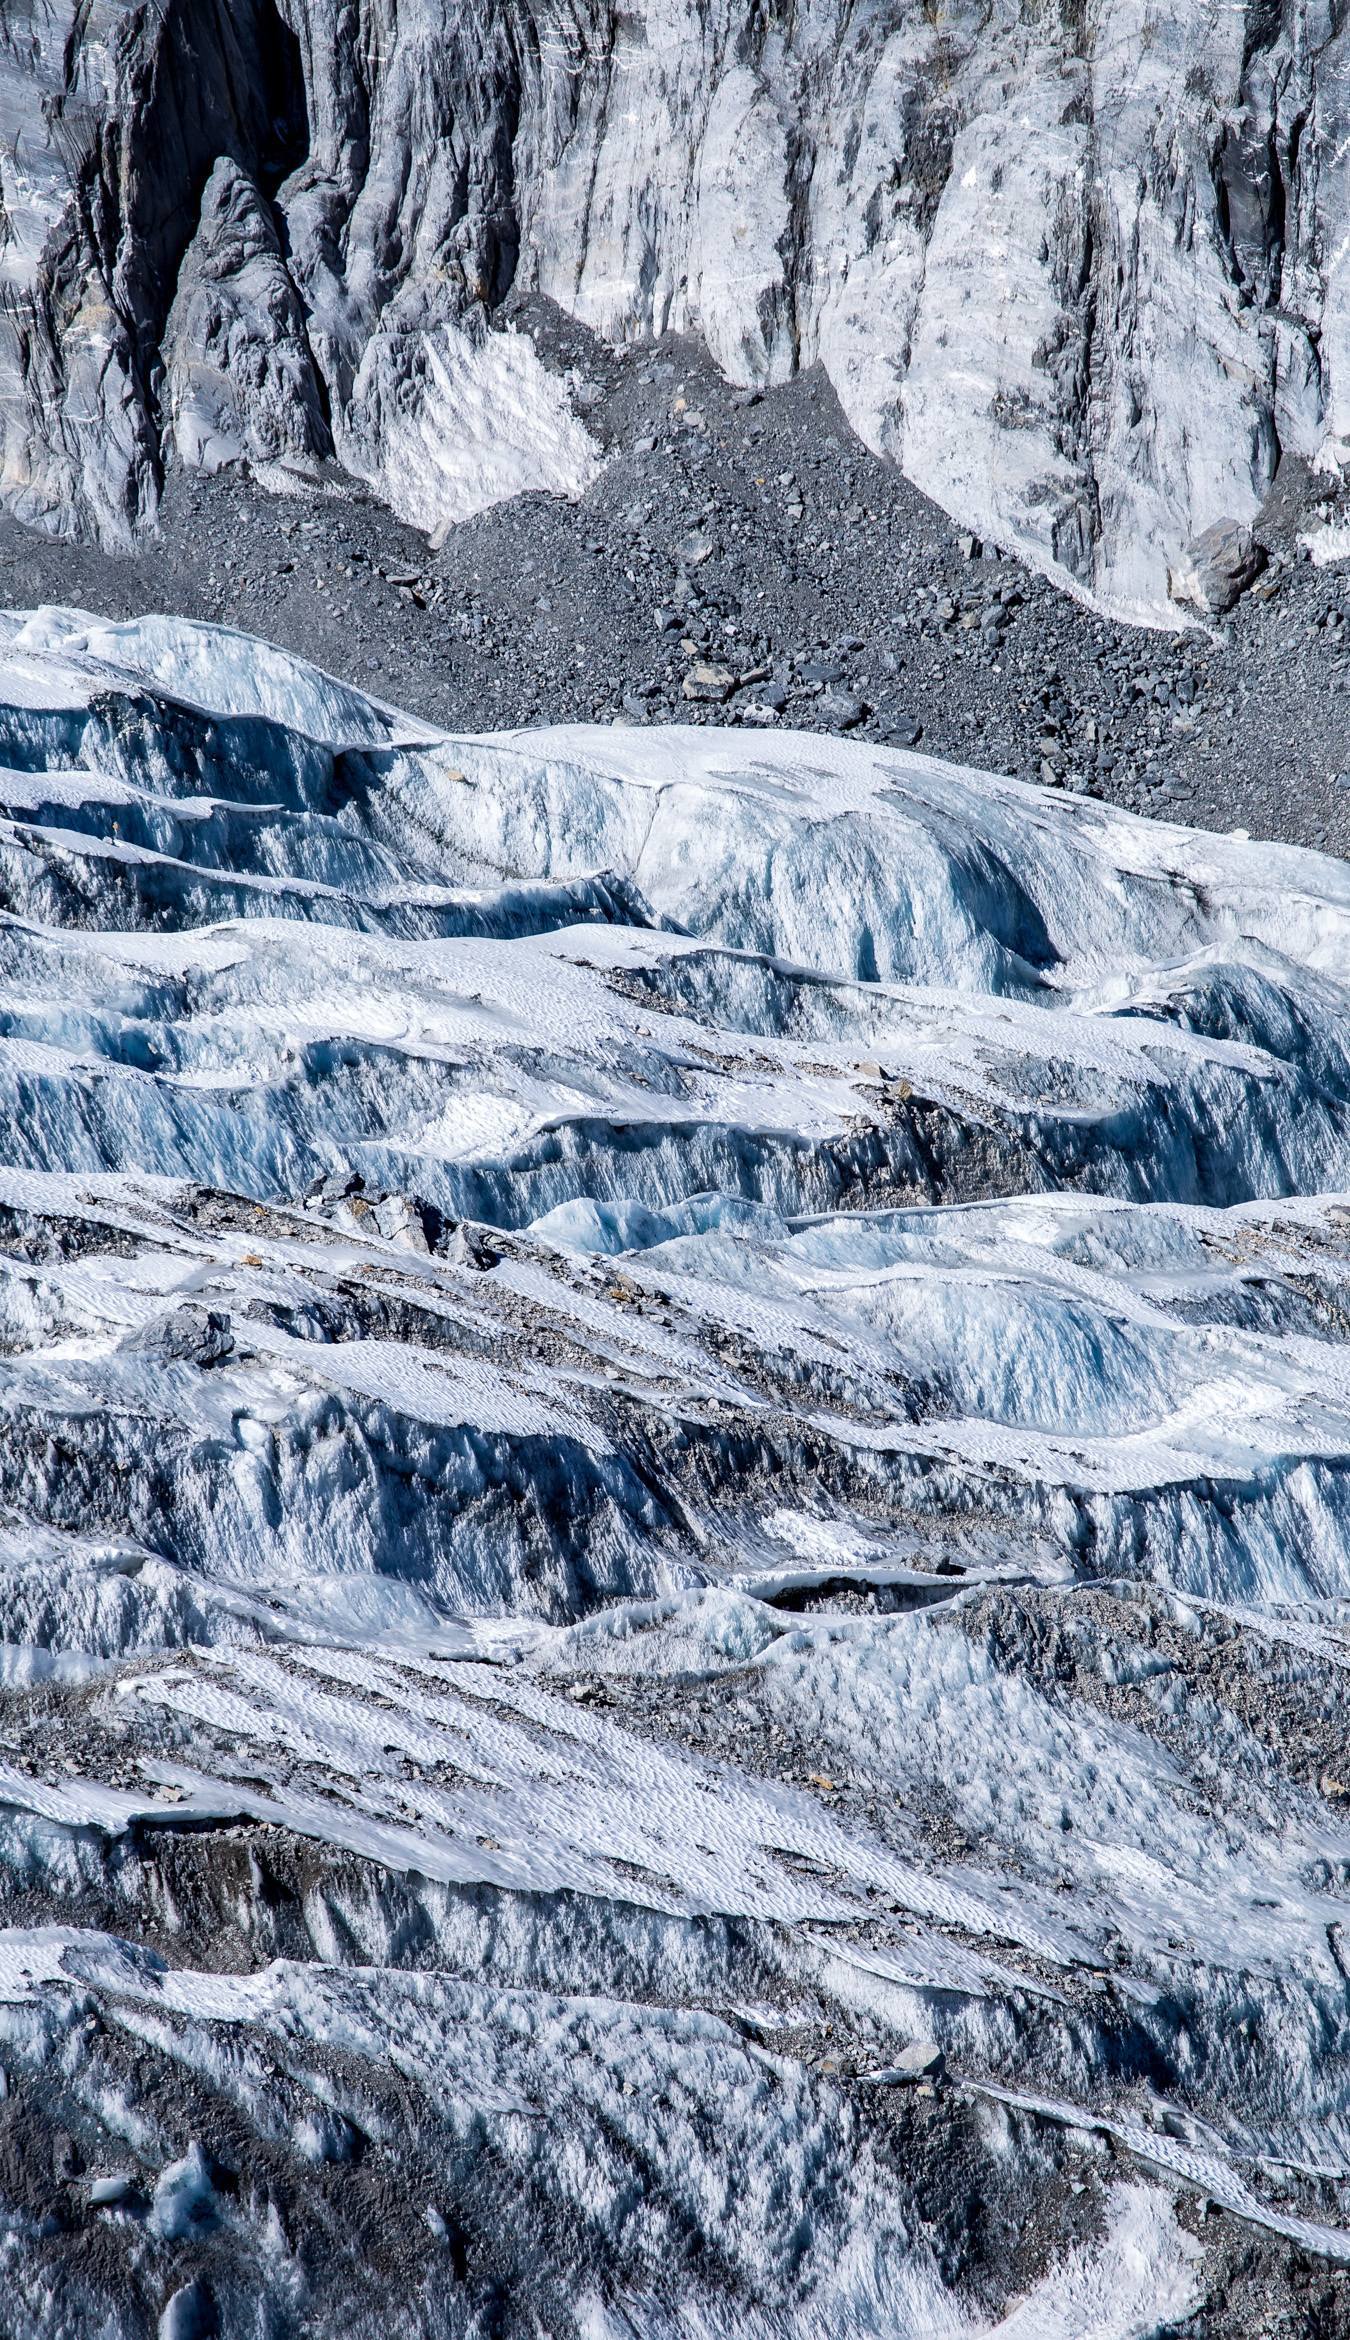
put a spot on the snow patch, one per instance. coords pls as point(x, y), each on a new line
point(477, 418)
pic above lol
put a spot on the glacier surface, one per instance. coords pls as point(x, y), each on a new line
point(674, 1529)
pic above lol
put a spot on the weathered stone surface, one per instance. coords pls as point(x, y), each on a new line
point(1217, 567)
point(708, 682)
point(242, 383)
point(1079, 273)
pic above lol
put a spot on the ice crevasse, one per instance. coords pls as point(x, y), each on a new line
point(674, 1527)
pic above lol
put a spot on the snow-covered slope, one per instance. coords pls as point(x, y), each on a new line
point(1080, 270)
point(674, 1438)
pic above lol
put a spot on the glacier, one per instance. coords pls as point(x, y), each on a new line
point(674, 1530)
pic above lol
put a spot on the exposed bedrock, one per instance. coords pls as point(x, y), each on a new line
point(1080, 270)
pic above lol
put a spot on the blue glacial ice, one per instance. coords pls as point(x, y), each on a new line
point(674, 1418)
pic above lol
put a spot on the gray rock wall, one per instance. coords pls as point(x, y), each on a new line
point(1081, 271)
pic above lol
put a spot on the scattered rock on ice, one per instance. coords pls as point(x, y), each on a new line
point(826, 1563)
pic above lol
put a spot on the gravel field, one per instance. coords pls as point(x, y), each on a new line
point(744, 560)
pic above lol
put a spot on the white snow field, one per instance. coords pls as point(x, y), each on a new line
point(674, 1532)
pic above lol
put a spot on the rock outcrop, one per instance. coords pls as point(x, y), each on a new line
point(243, 386)
point(1079, 270)
point(1217, 568)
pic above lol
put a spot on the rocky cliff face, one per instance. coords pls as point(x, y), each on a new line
point(1080, 270)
